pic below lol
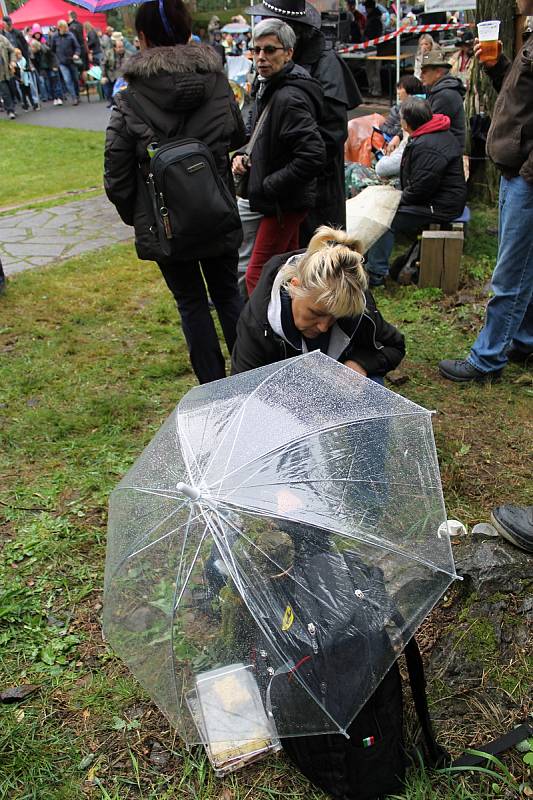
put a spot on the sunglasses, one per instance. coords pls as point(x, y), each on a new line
point(268, 50)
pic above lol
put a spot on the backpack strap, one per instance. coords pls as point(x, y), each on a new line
point(497, 746)
point(134, 102)
point(437, 756)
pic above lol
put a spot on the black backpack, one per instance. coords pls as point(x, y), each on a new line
point(193, 209)
point(370, 762)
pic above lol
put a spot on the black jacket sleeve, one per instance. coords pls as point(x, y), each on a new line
point(388, 349)
point(238, 132)
point(425, 171)
point(298, 135)
point(120, 165)
point(251, 346)
point(498, 72)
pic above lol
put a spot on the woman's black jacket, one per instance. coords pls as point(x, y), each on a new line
point(184, 94)
point(375, 344)
point(432, 176)
point(289, 153)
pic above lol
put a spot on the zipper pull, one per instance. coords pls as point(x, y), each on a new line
point(166, 221)
point(312, 633)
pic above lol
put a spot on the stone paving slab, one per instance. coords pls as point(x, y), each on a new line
point(30, 239)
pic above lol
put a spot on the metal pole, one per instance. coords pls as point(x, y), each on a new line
point(4, 8)
point(398, 37)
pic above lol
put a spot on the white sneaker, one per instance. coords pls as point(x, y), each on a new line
point(59, 102)
point(55, 102)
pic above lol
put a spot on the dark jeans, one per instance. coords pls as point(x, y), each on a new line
point(378, 255)
point(185, 279)
point(5, 94)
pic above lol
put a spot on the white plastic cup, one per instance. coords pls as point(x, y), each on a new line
point(489, 31)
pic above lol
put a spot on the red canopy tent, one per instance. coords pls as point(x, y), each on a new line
point(47, 12)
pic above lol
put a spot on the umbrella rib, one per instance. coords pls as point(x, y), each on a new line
point(374, 541)
point(328, 429)
point(157, 492)
point(278, 566)
point(161, 538)
point(181, 435)
point(189, 573)
point(284, 365)
point(320, 480)
point(149, 533)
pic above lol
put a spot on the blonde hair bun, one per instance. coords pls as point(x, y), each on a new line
point(332, 271)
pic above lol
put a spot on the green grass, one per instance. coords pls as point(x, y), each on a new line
point(93, 361)
point(37, 162)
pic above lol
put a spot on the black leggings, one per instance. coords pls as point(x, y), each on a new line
point(187, 281)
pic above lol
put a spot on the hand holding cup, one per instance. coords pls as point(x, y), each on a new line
point(488, 48)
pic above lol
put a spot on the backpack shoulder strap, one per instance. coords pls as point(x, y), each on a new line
point(497, 746)
point(135, 103)
point(437, 756)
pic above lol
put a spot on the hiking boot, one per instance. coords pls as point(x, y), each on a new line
point(521, 357)
point(515, 523)
point(462, 371)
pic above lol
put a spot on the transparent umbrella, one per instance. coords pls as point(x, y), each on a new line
point(271, 552)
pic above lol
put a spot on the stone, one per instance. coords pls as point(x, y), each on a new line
point(140, 619)
point(493, 565)
point(23, 249)
point(159, 756)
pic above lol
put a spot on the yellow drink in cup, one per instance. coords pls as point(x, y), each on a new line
point(488, 35)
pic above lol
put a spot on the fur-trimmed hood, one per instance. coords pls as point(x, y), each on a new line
point(174, 79)
point(180, 59)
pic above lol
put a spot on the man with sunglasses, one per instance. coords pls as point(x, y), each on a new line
point(289, 153)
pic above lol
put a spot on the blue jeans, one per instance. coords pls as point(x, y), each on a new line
point(378, 255)
point(69, 73)
point(509, 315)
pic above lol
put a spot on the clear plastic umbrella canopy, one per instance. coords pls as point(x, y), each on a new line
point(273, 549)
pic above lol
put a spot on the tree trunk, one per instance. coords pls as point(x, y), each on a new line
point(481, 96)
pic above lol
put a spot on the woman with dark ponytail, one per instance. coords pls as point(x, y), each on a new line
point(176, 89)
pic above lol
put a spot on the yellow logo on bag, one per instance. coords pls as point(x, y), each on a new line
point(288, 619)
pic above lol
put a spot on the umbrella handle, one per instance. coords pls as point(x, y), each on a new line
point(190, 491)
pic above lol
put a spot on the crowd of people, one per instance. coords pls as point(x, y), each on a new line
point(287, 166)
point(38, 66)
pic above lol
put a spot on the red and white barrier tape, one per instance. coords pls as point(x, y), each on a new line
point(405, 29)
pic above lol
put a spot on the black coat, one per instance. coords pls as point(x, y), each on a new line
point(341, 94)
point(446, 97)
point(375, 344)
point(289, 152)
point(184, 93)
point(65, 46)
point(374, 25)
point(432, 176)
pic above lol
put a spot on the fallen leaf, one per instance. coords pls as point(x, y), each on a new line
point(87, 761)
point(17, 693)
point(19, 715)
point(86, 713)
point(226, 794)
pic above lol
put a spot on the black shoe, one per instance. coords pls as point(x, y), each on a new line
point(515, 523)
point(520, 357)
point(375, 280)
point(463, 371)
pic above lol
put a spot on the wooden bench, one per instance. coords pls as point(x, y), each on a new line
point(441, 252)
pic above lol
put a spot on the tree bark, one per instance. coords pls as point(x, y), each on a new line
point(481, 96)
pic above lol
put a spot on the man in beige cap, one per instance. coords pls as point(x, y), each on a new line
point(445, 92)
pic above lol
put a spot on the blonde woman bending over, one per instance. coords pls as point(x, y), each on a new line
point(317, 299)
